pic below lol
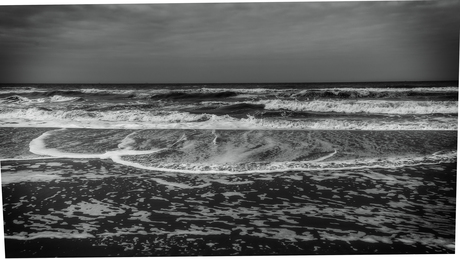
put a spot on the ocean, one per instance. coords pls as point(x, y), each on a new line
point(228, 169)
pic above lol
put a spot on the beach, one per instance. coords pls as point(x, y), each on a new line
point(76, 207)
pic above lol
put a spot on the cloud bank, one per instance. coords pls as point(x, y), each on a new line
point(225, 42)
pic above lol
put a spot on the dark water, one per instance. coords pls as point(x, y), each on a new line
point(399, 105)
point(393, 84)
point(71, 207)
point(199, 92)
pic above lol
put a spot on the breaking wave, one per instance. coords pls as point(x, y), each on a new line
point(36, 113)
point(17, 99)
point(44, 117)
point(61, 92)
point(375, 124)
point(239, 91)
point(364, 106)
point(185, 95)
point(59, 98)
point(344, 93)
point(350, 93)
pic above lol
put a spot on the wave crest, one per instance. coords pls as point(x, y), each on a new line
point(364, 106)
point(194, 95)
point(37, 113)
point(14, 99)
point(17, 99)
point(376, 92)
point(44, 117)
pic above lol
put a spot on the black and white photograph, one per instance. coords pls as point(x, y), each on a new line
point(228, 128)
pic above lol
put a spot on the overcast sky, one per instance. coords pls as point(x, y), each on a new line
point(225, 42)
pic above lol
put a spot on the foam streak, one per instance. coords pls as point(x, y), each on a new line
point(37, 146)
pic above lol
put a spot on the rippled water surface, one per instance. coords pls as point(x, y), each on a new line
point(295, 169)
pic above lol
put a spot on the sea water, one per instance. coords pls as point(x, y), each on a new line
point(136, 170)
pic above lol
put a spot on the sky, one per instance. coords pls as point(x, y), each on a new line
point(230, 42)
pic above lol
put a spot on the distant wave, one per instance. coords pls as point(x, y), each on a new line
point(238, 110)
point(240, 91)
point(151, 94)
point(350, 93)
point(59, 98)
point(37, 113)
point(453, 89)
point(224, 108)
point(21, 90)
point(364, 106)
point(41, 117)
point(16, 99)
point(185, 95)
point(345, 93)
point(62, 92)
point(375, 124)
point(102, 95)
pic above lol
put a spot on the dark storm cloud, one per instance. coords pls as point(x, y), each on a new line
point(230, 42)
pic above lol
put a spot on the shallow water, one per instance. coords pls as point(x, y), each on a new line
point(236, 151)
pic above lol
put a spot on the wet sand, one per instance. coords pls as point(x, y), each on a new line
point(75, 207)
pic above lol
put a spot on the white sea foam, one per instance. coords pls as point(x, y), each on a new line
point(106, 91)
point(362, 90)
point(92, 208)
point(280, 167)
point(59, 98)
point(14, 99)
point(21, 90)
point(445, 89)
point(81, 115)
point(363, 106)
point(26, 176)
point(258, 90)
point(325, 157)
point(179, 185)
point(38, 146)
point(336, 124)
point(127, 142)
point(49, 234)
point(73, 120)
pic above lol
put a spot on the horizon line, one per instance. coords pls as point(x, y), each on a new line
point(215, 83)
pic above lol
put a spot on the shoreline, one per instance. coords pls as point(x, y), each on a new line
point(314, 167)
